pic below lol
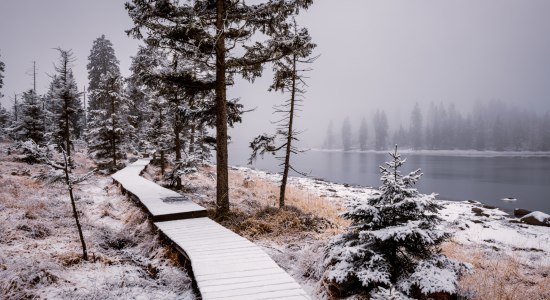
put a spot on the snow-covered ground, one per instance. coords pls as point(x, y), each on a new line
point(40, 253)
point(464, 153)
point(484, 236)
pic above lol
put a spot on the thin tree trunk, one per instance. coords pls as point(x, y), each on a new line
point(222, 184)
point(289, 136)
point(162, 162)
point(177, 142)
point(113, 136)
point(75, 213)
point(192, 139)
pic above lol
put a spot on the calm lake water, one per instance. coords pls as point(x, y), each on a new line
point(485, 179)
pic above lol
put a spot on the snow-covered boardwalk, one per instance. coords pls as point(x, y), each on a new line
point(225, 265)
point(161, 203)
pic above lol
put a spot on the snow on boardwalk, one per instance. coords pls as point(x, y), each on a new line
point(225, 265)
point(228, 266)
point(163, 204)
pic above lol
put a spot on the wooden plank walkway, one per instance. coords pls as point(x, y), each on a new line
point(225, 265)
point(161, 203)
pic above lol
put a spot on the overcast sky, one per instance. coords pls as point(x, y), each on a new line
point(374, 55)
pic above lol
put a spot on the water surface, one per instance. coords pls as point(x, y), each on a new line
point(485, 179)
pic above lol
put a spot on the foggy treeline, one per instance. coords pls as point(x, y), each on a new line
point(494, 126)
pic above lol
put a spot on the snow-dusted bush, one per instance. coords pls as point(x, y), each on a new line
point(392, 246)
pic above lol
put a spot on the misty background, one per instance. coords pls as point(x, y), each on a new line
point(375, 55)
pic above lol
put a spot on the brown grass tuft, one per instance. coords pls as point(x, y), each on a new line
point(499, 277)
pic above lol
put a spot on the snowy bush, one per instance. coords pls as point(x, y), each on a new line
point(392, 243)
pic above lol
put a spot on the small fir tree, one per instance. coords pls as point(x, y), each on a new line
point(393, 243)
point(29, 125)
point(65, 107)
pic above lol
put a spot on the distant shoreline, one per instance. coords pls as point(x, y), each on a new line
point(459, 153)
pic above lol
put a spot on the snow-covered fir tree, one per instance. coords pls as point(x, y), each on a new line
point(5, 120)
point(392, 244)
point(65, 107)
point(29, 124)
point(159, 131)
point(107, 125)
point(107, 107)
point(346, 134)
point(218, 39)
point(102, 60)
point(363, 135)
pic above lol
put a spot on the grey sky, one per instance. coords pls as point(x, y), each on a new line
point(374, 54)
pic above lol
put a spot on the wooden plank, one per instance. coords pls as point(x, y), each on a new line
point(225, 265)
point(158, 201)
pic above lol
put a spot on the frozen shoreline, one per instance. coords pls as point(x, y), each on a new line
point(489, 228)
point(459, 153)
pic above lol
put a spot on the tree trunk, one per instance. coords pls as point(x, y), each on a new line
point(177, 142)
point(289, 136)
point(192, 139)
point(113, 135)
point(222, 183)
point(162, 162)
point(75, 213)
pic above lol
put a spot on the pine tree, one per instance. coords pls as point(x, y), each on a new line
point(363, 135)
point(102, 60)
point(29, 125)
point(108, 125)
point(393, 242)
point(346, 134)
point(209, 35)
point(417, 128)
point(380, 130)
point(65, 106)
point(108, 107)
point(288, 78)
point(159, 129)
point(5, 119)
point(329, 139)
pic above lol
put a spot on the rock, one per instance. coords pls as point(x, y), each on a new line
point(488, 206)
point(472, 201)
point(536, 218)
point(331, 190)
point(520, 212)
point(479, 212)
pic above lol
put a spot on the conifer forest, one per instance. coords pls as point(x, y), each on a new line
point(274, 149)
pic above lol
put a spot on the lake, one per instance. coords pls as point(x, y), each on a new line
point(485, 179)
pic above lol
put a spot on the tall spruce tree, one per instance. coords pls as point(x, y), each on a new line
point(216, 37)
point(102, 60)
point(288, 78)
point(363, 135)
point(346, 134)
point(380, 130)
point(393, 242)
point(108, 125)
point(65, 105)
point(29, 125)
point(108, 108)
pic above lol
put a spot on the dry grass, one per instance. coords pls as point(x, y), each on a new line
point(499, 277)
point(254, 207)
point(40, 249)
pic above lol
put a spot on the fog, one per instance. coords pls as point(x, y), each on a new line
point(374, 55)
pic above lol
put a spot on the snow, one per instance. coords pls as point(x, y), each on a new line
point(495, 233)
point(159, 201)
point(540, 216)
